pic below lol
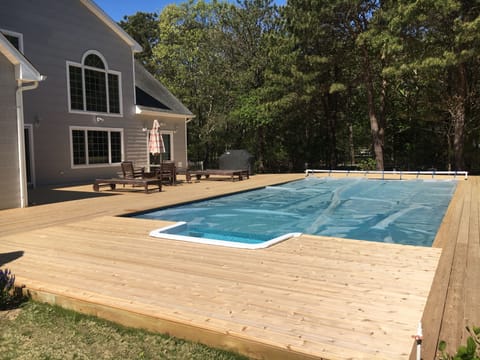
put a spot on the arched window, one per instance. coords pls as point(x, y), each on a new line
point(93, 87)
point(94, 60)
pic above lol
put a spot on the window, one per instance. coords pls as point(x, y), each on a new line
point(96, 146)
point(92, 87)
point(167, 142)
point(76, 88)
point(16, 39)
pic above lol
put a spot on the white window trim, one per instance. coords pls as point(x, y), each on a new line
point(15, 34)
point(92, 128)
point(95, 52)
point(107, 71)
point(171, 133)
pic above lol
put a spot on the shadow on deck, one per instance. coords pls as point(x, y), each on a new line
point(54, 194)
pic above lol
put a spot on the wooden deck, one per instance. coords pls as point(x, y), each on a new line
point(306, 298)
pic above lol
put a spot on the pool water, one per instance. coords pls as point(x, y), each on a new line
point(392, 211)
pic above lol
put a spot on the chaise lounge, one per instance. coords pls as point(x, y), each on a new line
point(131, 176)
point(112, 182)
point(239, 174)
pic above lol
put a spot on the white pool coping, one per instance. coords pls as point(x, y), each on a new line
point(159, 233)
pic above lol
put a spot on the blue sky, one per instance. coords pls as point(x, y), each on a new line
point(118, 8)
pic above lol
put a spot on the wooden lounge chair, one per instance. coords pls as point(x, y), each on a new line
point(131, 176)
point(129, 172)
point(145, 182)
point(240, 174)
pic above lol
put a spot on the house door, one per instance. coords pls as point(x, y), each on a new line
point(167, 137)
point(28, 136)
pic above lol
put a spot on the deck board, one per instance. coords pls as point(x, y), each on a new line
point(305, 298)
point(289, 299)
point(453, 301)
point(472, 290)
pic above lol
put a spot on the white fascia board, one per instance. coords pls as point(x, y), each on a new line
point(149, 111)
point(102, 15)
point(24, 70)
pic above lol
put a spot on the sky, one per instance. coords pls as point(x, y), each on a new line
point(117, 9)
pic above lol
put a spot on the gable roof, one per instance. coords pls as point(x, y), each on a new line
point(24, 70)
point(155, 99)
point(102, 15)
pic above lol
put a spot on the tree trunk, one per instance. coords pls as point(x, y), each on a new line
point(260, 149)
point(457, 108)
point(333, 141)
point(351, 145)
point(449, 152)
point(330, 111)
point(457, 112)
point(376, 127)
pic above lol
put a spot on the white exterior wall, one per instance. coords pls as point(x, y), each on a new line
point(9, 166)
point(55, 32)
point(172, 125)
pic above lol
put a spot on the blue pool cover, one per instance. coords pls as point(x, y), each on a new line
point(393, 211)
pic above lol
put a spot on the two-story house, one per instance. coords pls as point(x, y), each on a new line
point(96, 105)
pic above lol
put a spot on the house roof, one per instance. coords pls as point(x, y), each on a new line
point(102, 15)
point(152, 98)
point(24, 70)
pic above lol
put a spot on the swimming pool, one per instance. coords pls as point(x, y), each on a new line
point(393, 211)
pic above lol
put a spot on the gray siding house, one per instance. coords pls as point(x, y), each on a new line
point(97, 104)
point(16, 76)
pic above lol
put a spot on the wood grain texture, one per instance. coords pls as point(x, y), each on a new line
point(305, 298)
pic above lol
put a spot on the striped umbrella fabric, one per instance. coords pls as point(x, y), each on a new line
point(155, 141)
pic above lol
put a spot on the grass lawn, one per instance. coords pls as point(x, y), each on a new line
point(41, 331)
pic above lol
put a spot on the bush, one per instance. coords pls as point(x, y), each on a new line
point(9, 297)
point(367, 164)
point(471, 351)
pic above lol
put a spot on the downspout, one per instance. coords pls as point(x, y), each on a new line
point(186, 145)
point(187, 120)
point(21, 139)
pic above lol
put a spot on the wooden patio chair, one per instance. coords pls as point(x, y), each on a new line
point(129, 172)
point(168, 172)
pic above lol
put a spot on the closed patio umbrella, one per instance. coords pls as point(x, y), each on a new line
point(155, 141)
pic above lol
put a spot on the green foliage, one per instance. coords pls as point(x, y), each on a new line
point(336, 87)
point(367, 164)
point(143, 28)
point(312, 81)
point(470, 351)
point(9, 296)
point(214, 56)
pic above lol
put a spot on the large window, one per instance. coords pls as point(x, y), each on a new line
point(96, 146)
point(93, 87)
